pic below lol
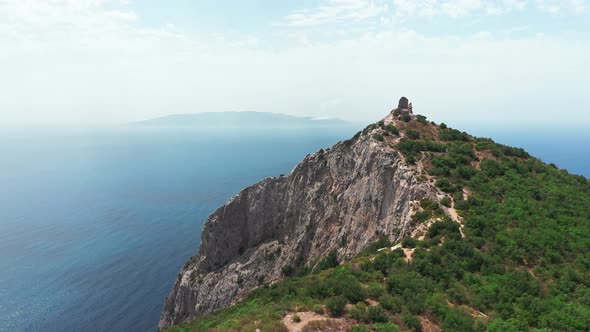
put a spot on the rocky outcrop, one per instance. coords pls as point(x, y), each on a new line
point(403, 103)
point(340, 199)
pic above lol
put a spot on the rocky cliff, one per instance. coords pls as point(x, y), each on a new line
point(340, 199)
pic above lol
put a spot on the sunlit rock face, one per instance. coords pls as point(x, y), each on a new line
point(338, 199)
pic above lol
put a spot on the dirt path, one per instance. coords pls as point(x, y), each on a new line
point(420, 231)
point(306, 317)
point(456, 217)
point(319, 322)
point(452, 212)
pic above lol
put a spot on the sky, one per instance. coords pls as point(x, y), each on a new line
point(482, 62)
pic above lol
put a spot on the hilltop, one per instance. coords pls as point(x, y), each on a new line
point(407, 226)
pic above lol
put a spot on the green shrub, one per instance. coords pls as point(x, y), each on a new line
point(428, 204)
point(412, 134)
point(391, 303)
point(275, 326)
point(328, 262)
point(360, 328)
point(392, 129)
point(442, 166)
point(341, 282)
point(446, 201)
point(412, 322)
point(359, 312)
point(499, 325)
point(453, 135)
point(514, 152)
point(376, 314)
point(318, 309)
point(354, 291)
point(386, 327)
point(445, 185)
point(457, 320)
point(378, 137)
point(382, 262)
point(383, 242)
point(407, 146)
point(336, 305)
point(485, 144)
point(409, 242)
point(466, 172)
point(422, 216)
point(296, 318)
point(461, 152)
point(443, 126)
point(411, 287)
point(406, 118)
point(445, 227)
point(456, 295)
point(288, 270)
point(492, 168)
point(421, 119)
point(375, 290)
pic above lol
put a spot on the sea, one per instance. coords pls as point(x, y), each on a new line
point(95, 224)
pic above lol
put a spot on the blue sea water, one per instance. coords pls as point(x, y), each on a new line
point(95, 225)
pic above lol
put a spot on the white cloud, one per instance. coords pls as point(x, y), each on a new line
point(416, 7)
point(91, 61)
point(577, 7)
point(455, 8)
point(335, 11)
point(458, 8)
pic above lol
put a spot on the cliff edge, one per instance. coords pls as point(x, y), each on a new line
point(335, 200)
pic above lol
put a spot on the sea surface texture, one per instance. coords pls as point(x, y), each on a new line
point(95, 225)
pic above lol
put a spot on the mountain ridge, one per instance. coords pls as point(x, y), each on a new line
point(332, 182)
point(398, 179)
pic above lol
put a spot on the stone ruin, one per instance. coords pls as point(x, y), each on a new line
point(404, 107)
point(403, 103)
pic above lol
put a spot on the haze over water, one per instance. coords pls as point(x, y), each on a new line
point(95, 226)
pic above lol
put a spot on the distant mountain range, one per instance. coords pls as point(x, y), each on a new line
point(239, 120)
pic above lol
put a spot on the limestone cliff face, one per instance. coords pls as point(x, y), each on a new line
point(340, 199)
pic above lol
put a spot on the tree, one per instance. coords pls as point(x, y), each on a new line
point(392, 129)
point(336, 305)
point(445, 185)
point(328, 262)
point(412, 134)
point(376, 314)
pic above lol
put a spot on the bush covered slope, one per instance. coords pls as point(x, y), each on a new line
point(518, 262)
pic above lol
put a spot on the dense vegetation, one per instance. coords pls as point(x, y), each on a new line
point(523, 264)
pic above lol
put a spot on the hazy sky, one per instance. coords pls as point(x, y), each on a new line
point(461, 61)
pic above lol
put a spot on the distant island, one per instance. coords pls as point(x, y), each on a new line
point(251, 120)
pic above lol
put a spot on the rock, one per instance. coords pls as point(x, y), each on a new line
point(403, 103)
point(340, 199)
